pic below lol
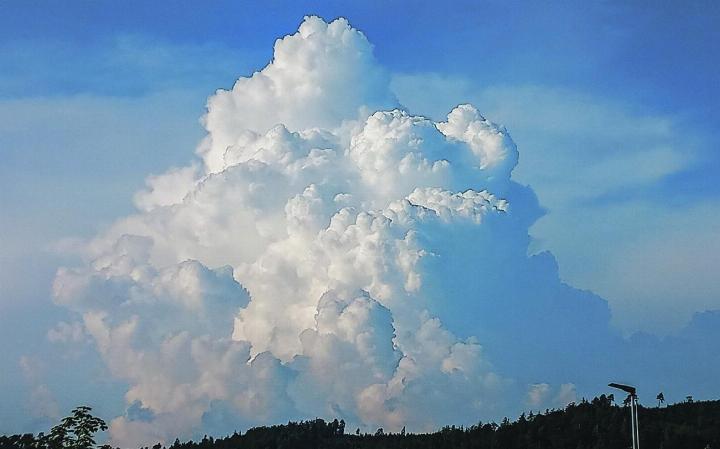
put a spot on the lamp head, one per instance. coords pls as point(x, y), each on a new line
point(625, 388)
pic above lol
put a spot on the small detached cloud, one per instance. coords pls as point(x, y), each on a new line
point(67, 333)
point(41, 401)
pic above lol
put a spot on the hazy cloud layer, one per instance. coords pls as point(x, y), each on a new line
point(611, 176)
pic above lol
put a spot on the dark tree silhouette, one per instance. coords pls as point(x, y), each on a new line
point(76, 431)
point(596, 424)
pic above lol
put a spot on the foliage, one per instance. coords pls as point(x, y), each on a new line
point(596, 424)
point(76, 431)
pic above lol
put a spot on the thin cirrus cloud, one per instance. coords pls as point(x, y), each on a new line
point(124, 65)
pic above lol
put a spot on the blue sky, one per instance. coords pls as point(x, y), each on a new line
point(612, 106)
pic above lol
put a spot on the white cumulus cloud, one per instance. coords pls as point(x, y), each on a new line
point(328, 254)
point(314, 202)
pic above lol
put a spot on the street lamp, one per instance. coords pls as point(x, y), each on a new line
point(633, 412)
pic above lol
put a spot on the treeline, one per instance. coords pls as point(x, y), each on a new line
point(596, 424)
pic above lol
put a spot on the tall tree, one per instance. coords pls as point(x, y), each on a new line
point(661, 398)
point(76, 431)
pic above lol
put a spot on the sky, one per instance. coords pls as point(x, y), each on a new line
point(172, 257)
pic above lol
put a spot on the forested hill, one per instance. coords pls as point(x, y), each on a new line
point(598, 424)
point(593, 425)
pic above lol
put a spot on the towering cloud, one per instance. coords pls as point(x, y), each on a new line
point(329, 254)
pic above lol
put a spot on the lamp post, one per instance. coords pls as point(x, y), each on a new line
point(632, 395)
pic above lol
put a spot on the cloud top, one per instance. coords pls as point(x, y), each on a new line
point(319, 77)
